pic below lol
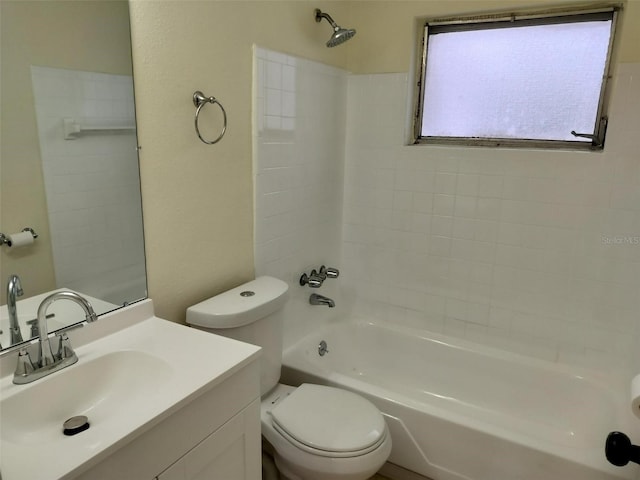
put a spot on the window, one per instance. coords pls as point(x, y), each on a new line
point(531, 79)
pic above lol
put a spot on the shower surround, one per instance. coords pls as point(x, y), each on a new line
point(533, 251)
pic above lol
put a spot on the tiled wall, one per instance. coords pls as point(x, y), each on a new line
point(299, 114)
point(536, 251)
point(92, 183)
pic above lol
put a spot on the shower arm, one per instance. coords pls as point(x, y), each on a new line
point(320, 15)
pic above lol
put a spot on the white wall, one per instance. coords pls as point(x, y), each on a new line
point(92, 183)
point(536, 251)
point(299, 114)
point(533, 251)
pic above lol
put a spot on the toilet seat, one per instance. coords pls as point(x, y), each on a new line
point(328, 453)
point(329, 422)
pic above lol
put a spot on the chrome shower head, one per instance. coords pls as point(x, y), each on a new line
point(340, 35)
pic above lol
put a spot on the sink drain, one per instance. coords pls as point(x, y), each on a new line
point(75, 425)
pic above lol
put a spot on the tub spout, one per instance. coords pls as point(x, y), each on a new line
point(316, 299)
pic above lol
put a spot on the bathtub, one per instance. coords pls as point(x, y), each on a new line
point(460, 411)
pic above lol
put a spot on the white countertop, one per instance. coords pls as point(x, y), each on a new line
point(187, 363)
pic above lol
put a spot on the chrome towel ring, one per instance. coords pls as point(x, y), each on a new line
point(199, 100)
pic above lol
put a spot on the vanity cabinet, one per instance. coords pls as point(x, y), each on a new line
point(222, 455)
point(215, 436)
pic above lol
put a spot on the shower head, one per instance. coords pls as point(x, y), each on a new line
point(340, 35)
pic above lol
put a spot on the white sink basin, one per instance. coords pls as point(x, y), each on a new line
point(105, 389)
point(125, 383)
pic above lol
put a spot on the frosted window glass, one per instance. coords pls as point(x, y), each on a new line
point(531, 82)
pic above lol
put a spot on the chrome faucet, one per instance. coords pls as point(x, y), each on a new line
point(14, 290)
point(48, 362)
point(317, 277)
point(316, 299)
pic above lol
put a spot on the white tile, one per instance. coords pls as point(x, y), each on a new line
point(422, 202)
point(465, 206)
point(402, 200)
point(289, 78)
point(495, 237)
point(404, 180)
point(441, 225)
point(439, 246)
point(490, 186)
point(273, 105)
point(444, 204)
point(464, 228)
point(467, 184)
point(454, 327)
point(273, 75)
point(420, 223)
point(288, 104)
point(445, 183)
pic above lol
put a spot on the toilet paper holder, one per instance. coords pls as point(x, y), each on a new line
point(6, 239)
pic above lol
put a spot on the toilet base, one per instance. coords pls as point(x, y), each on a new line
point(269, 470)
point(286, 473)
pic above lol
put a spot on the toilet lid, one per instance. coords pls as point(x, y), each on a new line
point(329, 419)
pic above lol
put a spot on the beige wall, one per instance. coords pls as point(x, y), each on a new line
point(197, 198)
point(55, 34)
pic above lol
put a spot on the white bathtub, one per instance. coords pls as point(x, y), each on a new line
point(460, 411)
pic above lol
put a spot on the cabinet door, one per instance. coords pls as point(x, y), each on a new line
point(231, 453)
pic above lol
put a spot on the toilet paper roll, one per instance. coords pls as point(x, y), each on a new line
point(635, 396)
point(21, 239)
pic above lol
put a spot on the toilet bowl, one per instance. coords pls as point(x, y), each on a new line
point(324, 433)
point(314, 432)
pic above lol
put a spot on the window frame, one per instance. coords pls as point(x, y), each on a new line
point(496, 20)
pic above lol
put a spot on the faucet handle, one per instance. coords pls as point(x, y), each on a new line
point(25, 365)
point(64, 347)
point(314, 281)
point(322, 273)
point(328, 272)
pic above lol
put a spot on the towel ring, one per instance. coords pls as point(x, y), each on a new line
point(199, 100)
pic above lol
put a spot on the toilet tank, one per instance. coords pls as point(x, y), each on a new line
point(251, 313)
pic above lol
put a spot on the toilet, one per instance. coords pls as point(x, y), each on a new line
point(314, 432)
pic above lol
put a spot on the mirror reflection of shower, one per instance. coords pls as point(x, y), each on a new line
point(340, 35)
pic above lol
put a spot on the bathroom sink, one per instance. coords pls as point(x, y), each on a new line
point(131, 374)
point(107, 390)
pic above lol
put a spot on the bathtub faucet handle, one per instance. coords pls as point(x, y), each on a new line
point(313, 280)
point(328, 272)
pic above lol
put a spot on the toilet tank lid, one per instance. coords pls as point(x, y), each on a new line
point(240, 306)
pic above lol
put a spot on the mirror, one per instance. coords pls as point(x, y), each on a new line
point(69, 160)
